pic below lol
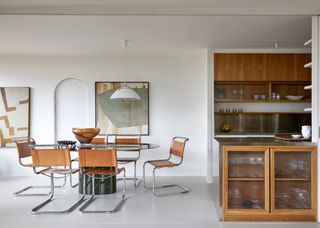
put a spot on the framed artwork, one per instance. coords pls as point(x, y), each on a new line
point(122, 116)
point(14, 115)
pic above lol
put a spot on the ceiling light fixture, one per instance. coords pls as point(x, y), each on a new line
point(125, 93)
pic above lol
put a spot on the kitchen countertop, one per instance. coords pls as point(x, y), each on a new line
point(261, 141)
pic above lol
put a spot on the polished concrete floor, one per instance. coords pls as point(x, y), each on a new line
point(141, 209)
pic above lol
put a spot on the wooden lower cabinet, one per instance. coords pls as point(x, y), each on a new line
point(266, 183)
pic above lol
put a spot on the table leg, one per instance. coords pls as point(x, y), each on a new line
point(103, 184)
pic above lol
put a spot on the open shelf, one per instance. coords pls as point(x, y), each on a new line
point(260, 92)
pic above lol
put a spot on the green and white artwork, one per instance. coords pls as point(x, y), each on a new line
point(121, 116)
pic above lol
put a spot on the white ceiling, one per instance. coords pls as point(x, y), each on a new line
point(102, 35)
point(162, 7)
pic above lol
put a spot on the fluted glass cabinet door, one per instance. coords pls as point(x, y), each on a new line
point(292, 179)
point(246, 179)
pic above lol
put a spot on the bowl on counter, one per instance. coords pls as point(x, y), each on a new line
point(294, 98)
point(296, 136)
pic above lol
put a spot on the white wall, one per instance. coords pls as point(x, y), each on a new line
point(177, 99)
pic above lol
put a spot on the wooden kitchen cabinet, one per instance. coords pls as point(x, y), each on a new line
point(269, 183)
point(261, 67)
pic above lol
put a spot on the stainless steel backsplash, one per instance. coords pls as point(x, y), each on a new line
point(262, 123)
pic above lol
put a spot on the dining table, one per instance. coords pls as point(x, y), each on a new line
point(107, 184)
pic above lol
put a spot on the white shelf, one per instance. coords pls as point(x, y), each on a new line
point(308, 65)
point(309, 87)
point(307, 43)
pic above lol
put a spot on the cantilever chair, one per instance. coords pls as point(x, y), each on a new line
point(101, 161)
point(131, 140)
point(52, 161)
point(24, 152)
point(176, 150)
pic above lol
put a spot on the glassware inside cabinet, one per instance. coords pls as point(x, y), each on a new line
point(293, 165)
point(293, 195)
point(246, 195)
point(228, 92)
point(246, 164)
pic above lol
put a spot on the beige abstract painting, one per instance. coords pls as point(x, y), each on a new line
point(14, 114)
point(117, 116)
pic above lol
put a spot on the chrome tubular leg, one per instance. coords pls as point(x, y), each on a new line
point(124, 183)
point(36, 211)
point(73, 186)
point(144, 175)
point(154, 187)
point(84, 206)
point(184, 190)
point(37, 208)
point(154, 180)
point(123, 195)
point(136, 180)
point(18, 193)
point(82, 209)
point(64, 180)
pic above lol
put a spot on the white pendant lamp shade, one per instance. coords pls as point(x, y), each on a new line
point(124, 92)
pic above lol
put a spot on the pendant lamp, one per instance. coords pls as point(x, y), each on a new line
point(124, 92)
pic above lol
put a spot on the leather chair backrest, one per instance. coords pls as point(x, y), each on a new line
point(129, 141)
point(177, 148)
point(23, 147)
point(98, 158)
point(50, 157)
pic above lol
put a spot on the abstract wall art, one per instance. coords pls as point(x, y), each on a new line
point(14, 114)
point(122, 116)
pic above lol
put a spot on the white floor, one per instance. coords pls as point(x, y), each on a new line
point(141, 209)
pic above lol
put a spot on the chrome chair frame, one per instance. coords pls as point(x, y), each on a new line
point(154, 187)
point(136, 181)
point(65, 176)
point(20, 193)
point(36, 210)
point(92, 198)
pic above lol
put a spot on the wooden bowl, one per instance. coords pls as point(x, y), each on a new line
point(85, 135)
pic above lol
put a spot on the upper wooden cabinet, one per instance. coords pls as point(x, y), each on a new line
point(261, 67)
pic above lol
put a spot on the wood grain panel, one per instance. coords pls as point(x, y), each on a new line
point(261, 67)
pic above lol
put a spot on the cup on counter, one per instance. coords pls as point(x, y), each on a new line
point(306, 131)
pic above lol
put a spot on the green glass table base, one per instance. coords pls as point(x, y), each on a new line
point(104, 185)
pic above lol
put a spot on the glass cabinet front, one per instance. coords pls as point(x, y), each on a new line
point(246, 176)
point(292, 179)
